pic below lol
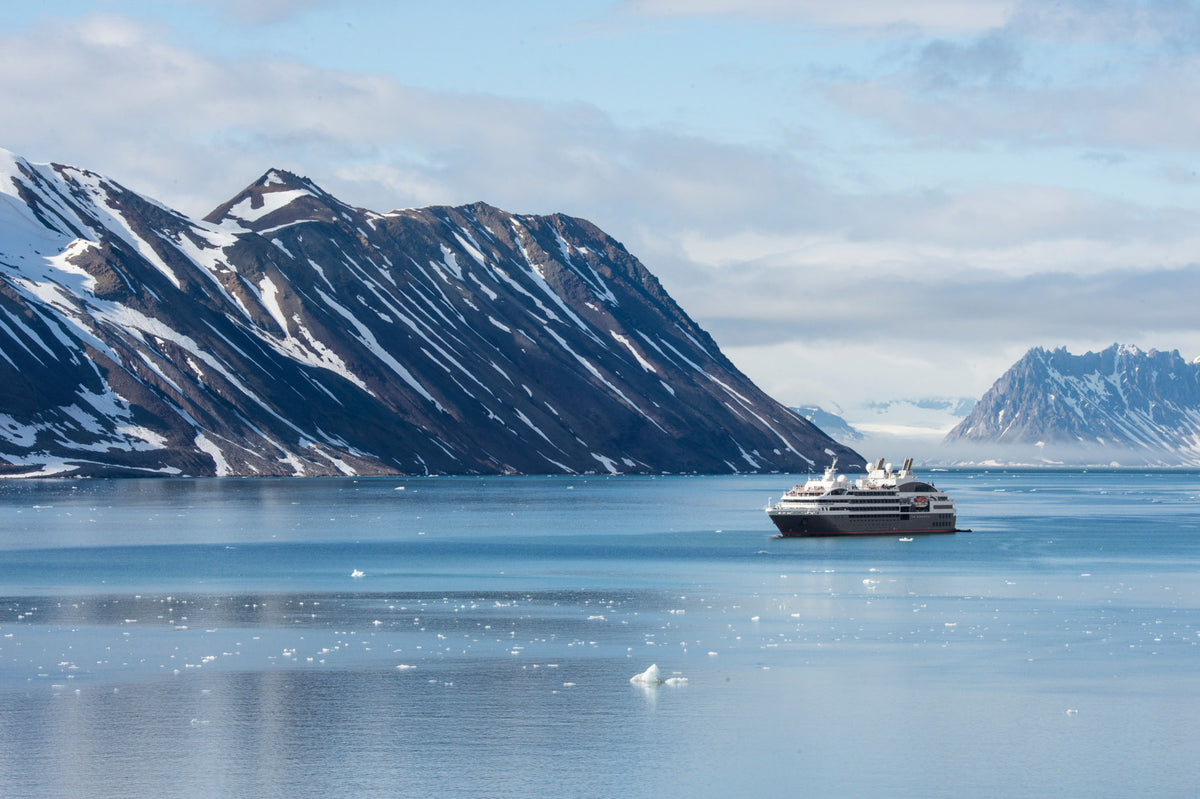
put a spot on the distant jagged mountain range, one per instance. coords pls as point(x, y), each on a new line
point(288, 333)
point(905, 426)
point(1121, 405)
point(829, 422)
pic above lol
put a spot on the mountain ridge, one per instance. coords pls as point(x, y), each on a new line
point(289, 333)
point(1120, 405)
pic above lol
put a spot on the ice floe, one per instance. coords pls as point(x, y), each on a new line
point(653, 677)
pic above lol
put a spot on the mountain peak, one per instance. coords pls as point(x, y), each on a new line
point(283, 180)
point(278, 197)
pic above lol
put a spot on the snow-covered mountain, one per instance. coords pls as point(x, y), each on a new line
point(289, 333)
point(1122, 405)
point(894, 428)
point(830, 423)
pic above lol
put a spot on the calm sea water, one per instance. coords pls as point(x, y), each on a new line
point(210, 639)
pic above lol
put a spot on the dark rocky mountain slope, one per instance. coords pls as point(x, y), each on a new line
point(289, 333)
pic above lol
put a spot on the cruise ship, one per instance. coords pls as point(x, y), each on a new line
point(885, 502)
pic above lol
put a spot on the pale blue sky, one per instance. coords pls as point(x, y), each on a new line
point(859, 200)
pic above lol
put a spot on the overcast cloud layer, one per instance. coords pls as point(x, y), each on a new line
point(863, 200)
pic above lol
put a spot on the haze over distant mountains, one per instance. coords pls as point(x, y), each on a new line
point(894, 428)
point(289, 333)
point(1121, 406)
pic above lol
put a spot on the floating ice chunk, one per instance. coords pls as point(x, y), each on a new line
point(653, 677)
point(650, 676)
point(356, 573)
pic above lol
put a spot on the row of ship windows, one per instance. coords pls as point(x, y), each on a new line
point(883, 516)
point(828, 505)
point(874, 499)
point(879, 506)
point(874, 492)
point(871, 515)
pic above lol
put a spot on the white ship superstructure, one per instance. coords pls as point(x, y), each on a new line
point(885, 501)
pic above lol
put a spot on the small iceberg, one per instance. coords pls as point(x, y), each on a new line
point(356, 573)
point(650, 676)
point(653, 677)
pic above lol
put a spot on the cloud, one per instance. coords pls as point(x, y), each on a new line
point(989, 60)
point(938, 15)
point(911, 306)
point(118, 97)
point(1137, 111)
point(799, 279)
point(1172, 26)
point(940, 295)
point(1010, 229)
point(1107, 75)
point(114, 94)
point(262, 12)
